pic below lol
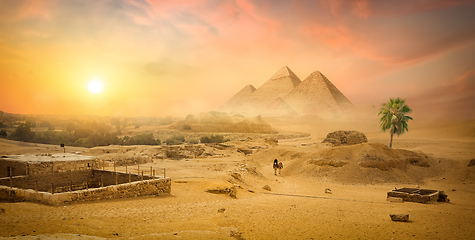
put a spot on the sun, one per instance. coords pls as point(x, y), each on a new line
point(95, 86)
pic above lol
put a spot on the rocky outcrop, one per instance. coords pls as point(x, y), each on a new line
point(339, 138)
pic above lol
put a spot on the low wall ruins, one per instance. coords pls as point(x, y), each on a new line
point(85, 185)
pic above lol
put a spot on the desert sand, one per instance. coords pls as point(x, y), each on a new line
point(297, 206)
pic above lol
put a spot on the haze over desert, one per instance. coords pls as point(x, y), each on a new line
point(147, 119)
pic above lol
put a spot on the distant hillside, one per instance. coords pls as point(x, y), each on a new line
point(222, 122)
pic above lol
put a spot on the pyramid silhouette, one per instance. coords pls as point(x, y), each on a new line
point(235, 103)
point(279, 85)
point(285, 95)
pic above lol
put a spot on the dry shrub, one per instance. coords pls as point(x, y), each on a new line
point(418, 162)
point(381, 165)
point(271, 141)
point(326, 162)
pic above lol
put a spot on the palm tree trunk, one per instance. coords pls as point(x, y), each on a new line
point(391, 142)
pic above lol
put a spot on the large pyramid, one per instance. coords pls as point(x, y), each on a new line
point(279, 85)
point(316, 95)
point(285, 95)
point(266, 100)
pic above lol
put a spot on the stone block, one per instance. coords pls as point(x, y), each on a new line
point(399, 217)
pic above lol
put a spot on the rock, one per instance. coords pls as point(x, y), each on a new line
point(236, 175)
point(221, 210)
point(345, 138)
point(233, 192)
point(399, 217)
point(443, 197)
point(2, 210)
point(471, 163)
point(394, 199)
point(328, 190)
point(266, 187)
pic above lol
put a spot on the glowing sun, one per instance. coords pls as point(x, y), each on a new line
point(95, 86)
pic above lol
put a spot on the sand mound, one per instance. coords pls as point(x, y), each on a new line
point(365, 163)
point(345, 138)
point(222, 122)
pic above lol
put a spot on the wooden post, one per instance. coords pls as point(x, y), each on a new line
point(70, 185)
point(26, 171)
point(36, 186)
point(115, 178)
point(153, 175)
point(129, 177)
point(125, 168)
point(102, 164)
point(142, 175)
point(87, 187)
point(52, 188)
point(114, 166)
point(151, 170)
point(164, 173)
point(102, 181)
point(11, 181)
point(138, 169)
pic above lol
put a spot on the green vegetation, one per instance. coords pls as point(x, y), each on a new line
point(175, 140)
point(89, 134)
point(213, 139)
point(393, 117)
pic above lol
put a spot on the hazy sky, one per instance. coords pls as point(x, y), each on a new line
point(158, 58)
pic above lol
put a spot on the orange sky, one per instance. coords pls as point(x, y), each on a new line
point(158, 59)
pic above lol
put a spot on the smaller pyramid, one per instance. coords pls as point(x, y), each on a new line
point(236, 102)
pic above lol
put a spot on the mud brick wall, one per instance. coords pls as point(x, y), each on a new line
point(18, 168)
point(126, 190)
point(430, 198)
point(61, 166)
point(71, 181)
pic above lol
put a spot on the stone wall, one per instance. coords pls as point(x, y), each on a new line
point(71, 181)
point(125, 190)
point(20, 168)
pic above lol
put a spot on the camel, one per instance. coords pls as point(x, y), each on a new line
point(277, 165)
point(281, 166)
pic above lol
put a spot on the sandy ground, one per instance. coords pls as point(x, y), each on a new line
point(297, 206)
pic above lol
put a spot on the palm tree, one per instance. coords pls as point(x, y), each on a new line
point(393, 117)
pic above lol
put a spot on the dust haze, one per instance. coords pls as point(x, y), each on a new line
point(223, 185)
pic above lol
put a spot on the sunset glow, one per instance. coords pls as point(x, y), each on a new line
point(183, 57)
point(95, 86)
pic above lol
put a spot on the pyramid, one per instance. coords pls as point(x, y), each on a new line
point(316, 95)
point(285, 95)
point(235, 103)
point(265, 100)
point(279, 85)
